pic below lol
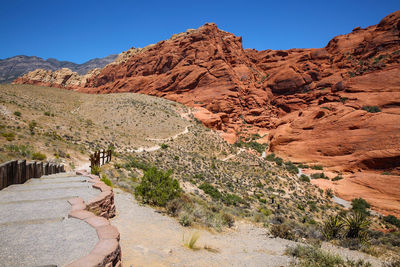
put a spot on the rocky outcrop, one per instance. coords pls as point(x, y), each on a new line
point(13, 67)
point(60, 78)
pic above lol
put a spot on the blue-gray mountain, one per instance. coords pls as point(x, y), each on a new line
point(13, 67)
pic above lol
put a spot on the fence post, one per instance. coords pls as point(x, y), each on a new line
point(3, 173)
point(21, 172)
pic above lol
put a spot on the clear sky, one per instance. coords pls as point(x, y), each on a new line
point(79, 30)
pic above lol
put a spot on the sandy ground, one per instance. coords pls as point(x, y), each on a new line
point(149, 238)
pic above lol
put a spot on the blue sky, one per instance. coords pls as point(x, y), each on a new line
point(81, 30)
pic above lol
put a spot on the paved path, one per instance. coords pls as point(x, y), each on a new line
point(34, 226)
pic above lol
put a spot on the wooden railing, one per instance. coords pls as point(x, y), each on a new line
point(19, 171)
point(100, 157)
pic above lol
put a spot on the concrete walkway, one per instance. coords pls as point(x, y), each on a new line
point(34, 226)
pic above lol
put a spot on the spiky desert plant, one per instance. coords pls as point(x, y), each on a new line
point(356, 225)
point(332, 227)
point(191, 243)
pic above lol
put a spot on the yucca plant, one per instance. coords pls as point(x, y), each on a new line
point(356, 224)
point(332, 227)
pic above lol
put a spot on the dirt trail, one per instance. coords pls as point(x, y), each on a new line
point(152, 239)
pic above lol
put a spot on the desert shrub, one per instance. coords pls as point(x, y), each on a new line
point(337, 178)
point(232, 199)
point(392, 220)
point(282, 231)
point(32, 126)
point(17, 113)
point(47, 113)
point(20, 150)
point(38, 156)
point(360, 205)
point(265, 211)
point(164, 146)
point(134, 163)
point(332, 227)
point(95, 170)
point(227, 219)
point(210, 190)
point(303, 166)
point(371, 109)
point(291, 167)
point(8, 136)
point(260, 148)
point(356, 225)
point(106, 180)
point(174, 206)
point(272, 157)
point(185, 219)
point(319, 175)
point(304, 178)
point(329, 193)
point(157, 187)
point(317, 167)
point(313, 256)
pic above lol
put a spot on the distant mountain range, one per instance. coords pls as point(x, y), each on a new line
point(13, 67)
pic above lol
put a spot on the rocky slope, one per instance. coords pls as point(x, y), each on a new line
point(13, 67)
point(316, 104)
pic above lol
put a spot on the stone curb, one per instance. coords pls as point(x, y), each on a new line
point(107, 251)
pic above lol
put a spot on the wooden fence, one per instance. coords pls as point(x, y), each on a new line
point(19, 171)
point(100, 157)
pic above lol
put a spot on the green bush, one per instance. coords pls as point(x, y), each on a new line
point(272, 157)
point(164, 146)
point(304, 178)
point(134, 163)
point(95, 170)
point(232, 199)
point(319, 175)
point(313, 256)
point(38, 156)
point(291, 167)
point(8, 136)
point(260, 148)
point(360, 205)
point(317, 167)
point(20, 150)
point(210, 190)
point(17, 113)
point(392, 220)
point(157, 187)
point(303, 166)
point(282, 231)
point(337, 178)
point(32, 126)
point(371, 109)
point(106, 180)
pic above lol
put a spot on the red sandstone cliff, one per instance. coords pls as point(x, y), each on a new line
point(310, 100)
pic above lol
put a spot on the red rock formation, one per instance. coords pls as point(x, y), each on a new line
point(310, 99)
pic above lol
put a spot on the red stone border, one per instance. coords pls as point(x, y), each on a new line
point(107, 251)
